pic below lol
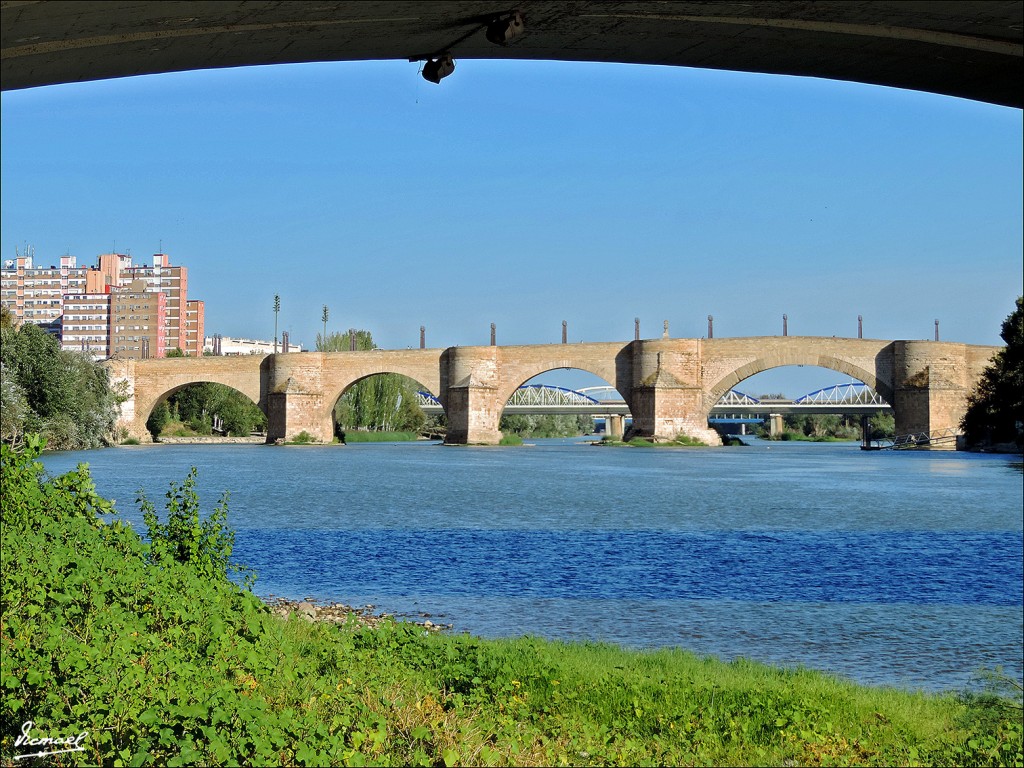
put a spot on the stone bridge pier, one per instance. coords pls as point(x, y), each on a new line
point(295, 398)
point(666, 393)
point(469, 393)
point(932, 381)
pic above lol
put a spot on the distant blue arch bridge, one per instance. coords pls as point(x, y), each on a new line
point(735, 407)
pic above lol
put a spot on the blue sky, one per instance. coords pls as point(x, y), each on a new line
point(527, 193)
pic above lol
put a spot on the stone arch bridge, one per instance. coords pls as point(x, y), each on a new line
point(670, 385)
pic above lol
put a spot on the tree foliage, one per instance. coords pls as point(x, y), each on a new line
point(995, 410)
point(882, 425)
point(6, 317)
point(63, 395)
point(546, 425)
point(199, 405)
point(203, 545)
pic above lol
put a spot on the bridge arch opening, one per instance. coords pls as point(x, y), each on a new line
point(564, 402)
point(386, 406)
point(804, 402)
point(205, 408)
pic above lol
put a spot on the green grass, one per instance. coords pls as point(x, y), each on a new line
point(175, 428)
point(511, 439)
point(356, 436)
point(801, 437)
point(640, 442)
point(163, 660)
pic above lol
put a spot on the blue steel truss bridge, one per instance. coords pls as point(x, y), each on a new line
point(850, 399)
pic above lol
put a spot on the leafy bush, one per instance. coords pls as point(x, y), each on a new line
point(204, 545)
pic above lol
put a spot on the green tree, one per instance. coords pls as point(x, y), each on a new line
point(882, 424)
point(6, 317)
point(546, 425)
point(995, 410)
point(196, 405)
point(61, 394)
point(35, 358)
point(158, 419)
point(14, 409)
point(241, 417)
point(176, 352)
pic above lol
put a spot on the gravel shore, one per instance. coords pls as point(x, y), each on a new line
point(339, 613)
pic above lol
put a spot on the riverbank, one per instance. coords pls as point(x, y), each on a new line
point(212, 440)
point(640, 442)
point(170, 662)
point(312, 610)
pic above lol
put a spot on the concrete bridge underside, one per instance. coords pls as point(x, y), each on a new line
point(670, 385)
point(971, 50)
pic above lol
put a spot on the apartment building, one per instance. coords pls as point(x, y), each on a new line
point(86, 326)
point(161, 277)
point(194, 328)
point(69, 302)
point(138, 322)
point(35, 294)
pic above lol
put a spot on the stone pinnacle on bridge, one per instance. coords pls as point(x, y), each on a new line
point(494, 337)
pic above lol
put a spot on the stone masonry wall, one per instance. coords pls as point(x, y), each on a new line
point(670, 385)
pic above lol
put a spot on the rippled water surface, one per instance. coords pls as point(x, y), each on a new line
point(895, 568)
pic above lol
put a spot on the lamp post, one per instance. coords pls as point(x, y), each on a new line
point(277, 309)
point(323, 317)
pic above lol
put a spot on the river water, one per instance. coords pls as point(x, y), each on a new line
point(889, 568)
